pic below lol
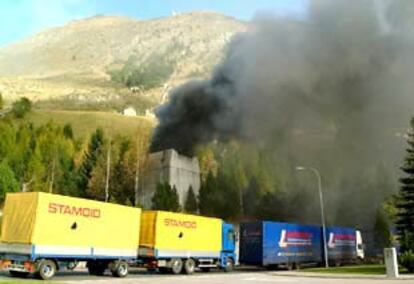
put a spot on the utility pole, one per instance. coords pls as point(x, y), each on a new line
point(52, 178)
point(108, 171)
point(136, 188)
point(318, 176)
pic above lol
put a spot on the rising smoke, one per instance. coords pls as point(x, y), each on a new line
point(344, 62)
point(329, 89)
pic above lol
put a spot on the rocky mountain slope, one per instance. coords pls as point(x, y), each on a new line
point(74, 62)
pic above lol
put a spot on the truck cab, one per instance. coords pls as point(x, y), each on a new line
point(228, 252)
point(359, 245)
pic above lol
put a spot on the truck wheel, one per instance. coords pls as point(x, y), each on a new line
point(46, 269)
point(189, 266)
point(176, 265)
point(19, 274)
point(120, 269)
point(229, 265)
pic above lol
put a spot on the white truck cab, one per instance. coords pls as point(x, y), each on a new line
point(359, 245)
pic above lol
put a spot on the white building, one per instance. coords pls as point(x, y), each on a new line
point(130, 111)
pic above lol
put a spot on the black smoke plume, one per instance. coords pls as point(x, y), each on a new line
point(344, 64)
point(332, 89)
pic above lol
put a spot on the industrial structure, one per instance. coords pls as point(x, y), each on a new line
point(169, 166)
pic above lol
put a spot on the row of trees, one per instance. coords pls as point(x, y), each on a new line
point(49, 158)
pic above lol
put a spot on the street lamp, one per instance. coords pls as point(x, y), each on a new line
point(318, 176)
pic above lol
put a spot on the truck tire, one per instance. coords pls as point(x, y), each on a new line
point(120, 269)
point(189, 266)
point(19, 274)
point(46, 269)
point(229, 265)
point(176, 265)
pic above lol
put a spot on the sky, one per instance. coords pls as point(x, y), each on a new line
point(21, 18)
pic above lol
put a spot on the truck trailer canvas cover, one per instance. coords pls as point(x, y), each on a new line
point(167, 234)
point(64, 226)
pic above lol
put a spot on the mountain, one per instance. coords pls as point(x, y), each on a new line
point(87, 62)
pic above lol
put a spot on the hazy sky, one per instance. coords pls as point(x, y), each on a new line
point(20, 18)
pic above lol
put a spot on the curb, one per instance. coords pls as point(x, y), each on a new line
point(340, 276)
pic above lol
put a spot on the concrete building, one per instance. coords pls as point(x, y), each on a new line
point(169, 166)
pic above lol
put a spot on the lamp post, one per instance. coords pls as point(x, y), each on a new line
point(318, 176)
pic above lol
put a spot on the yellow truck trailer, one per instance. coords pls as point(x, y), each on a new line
point(180, 242)
point(44, 232)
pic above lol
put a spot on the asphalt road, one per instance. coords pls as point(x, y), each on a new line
point(81, 277)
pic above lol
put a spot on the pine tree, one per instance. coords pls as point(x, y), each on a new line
point(190, 205)
point(8, 182)
point(123, 176)
point(382, 234)
point(207, 195)
point(227, 197)
point(251, 198)
point(95, 149)
point(174, 200)
point(405, 204)
point(159, 200)
point(166, 198)
point(68, 131)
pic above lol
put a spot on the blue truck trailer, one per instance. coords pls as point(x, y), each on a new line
point(271, 244)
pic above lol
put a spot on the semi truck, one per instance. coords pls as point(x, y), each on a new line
point(272, 244)
point(174, 242)
point(344, 245)
point(43, 233)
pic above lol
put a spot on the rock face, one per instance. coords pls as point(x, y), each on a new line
point(76, 58)
point(169, 166)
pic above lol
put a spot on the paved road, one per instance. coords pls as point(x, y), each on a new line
point(210, 278)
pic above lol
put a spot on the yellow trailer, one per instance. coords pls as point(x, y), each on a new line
point(40, 231)
point(175, 241)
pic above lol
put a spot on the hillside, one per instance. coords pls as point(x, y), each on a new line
point(75, 62)
point(85, 122)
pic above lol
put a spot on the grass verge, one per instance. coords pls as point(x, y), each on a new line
point(372, 269)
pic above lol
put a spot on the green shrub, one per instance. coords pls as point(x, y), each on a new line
point(407, 260)
point(21, 107)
